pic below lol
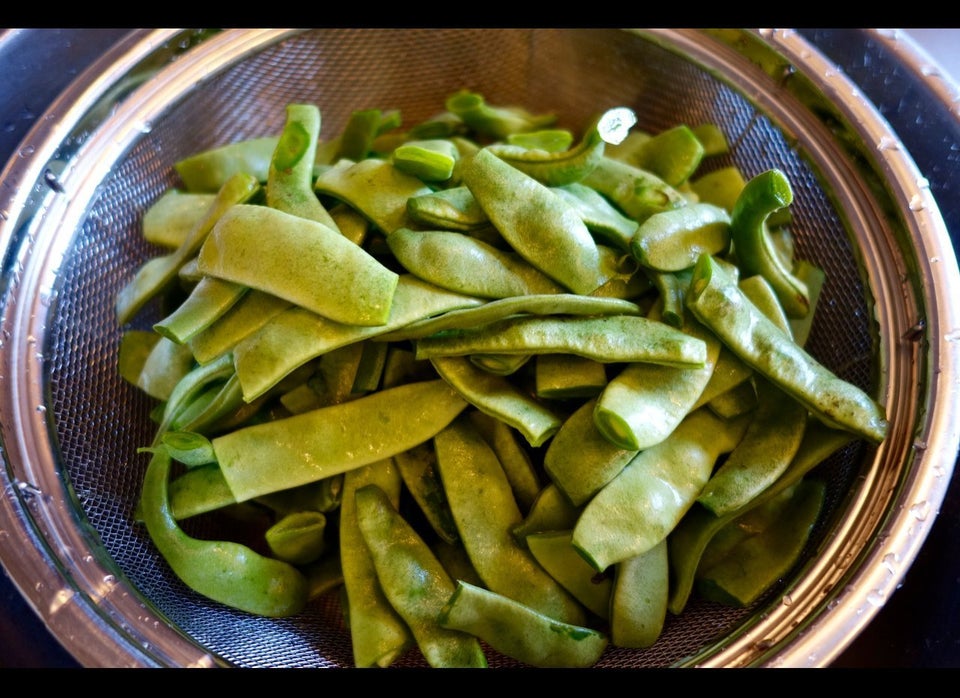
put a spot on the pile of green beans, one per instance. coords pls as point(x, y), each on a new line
point(499, 386)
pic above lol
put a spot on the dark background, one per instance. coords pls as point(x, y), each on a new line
point(919, 627)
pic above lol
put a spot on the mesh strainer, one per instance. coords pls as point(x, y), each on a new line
point(71, 426)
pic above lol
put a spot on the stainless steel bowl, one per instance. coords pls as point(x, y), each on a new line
point(69, 214)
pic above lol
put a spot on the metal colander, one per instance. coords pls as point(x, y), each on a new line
point(71, 427)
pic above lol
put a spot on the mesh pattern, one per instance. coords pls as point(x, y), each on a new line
point(100, 421)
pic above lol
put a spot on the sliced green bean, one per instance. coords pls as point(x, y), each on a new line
point(207, 302)
point(430, 160)
point(767, 449)
point(644, 403)
point(374, 187)
point(494, 121)
point(673, 240)
point(601, 217)
point(760, 560)
point(247, 315)
point(691, 536)
point(580, 460)
point(169, 219)
point(515, 460)
point(556, 555)
point(636, 192)
point(418, 468)
point(455, 208)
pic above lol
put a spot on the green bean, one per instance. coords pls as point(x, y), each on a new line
point(159, 273)
point(298, 537)
point(642, 404)
point(374, 187)
point(418, 468)
point(602, 219)
point(207, 302)
point(169, 219)
point(765, 193)
point(284, 453)
point(638, 600)
point(295, 336)
point(757, 562)
point(759, 343)
point(645, 501)
point(608, 339)
point(636, 192)
point(556, 555)
point(485, 509)
point(521, 632)
point(516, 462)
point(431, 160)
point(498, 397)
point(535, 304)
point(691, 536)
point(673, 154)
point(378, 635)
point(550, 511)
point(768, 447)
point(209, 170)
point(224, 571)
point(561, 376)
point(496, 122)
point(308, 264)
point(556, 169)
point(455, 209)
point(451, 260)
point(539, 225)
point(253, 310)
point(414, 581)
point(290, 178)
point(579, 459)
point(673, 240)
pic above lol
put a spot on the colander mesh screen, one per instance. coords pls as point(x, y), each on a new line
point(100, 421)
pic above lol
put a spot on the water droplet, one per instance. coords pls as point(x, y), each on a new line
point(41, 409)
point(875, 598)
point(888, 143)
point(787, 600)
point(917, 203)
point(109, 579)
point(60, 599)
point(26, 151)
point(891, 561)
point(934, 260)
point(145, 127)
point(920, 445)
point(920, 511)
